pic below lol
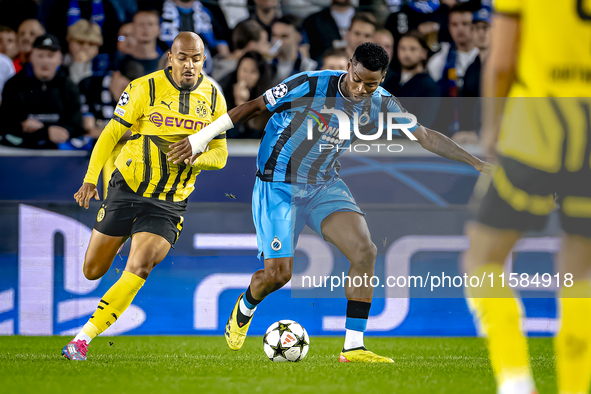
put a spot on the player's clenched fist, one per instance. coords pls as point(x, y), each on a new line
point(85, 193)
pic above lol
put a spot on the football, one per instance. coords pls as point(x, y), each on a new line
point(286, 340)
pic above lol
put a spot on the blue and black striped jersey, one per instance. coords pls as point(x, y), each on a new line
point(287, 154)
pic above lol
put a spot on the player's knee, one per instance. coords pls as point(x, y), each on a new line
point(91, 270)
point(365, 255)
point(277, 277)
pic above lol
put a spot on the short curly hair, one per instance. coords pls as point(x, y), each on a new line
point(371, 56)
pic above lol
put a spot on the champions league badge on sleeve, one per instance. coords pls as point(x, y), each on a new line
point(124, 99)
point(277, 92)
point(280, 90)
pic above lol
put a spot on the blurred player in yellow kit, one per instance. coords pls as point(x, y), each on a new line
point(541, 61)
point(147, 193)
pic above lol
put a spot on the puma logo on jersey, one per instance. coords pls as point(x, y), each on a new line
point(167, 104)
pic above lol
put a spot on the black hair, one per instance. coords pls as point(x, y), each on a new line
point(364, 17)
point(260, 61)
point(291, 20)
point(371, 56)
point(415, 34)
point(245, 32)
point(6, 29)
point(460, 8)
point(131, 69)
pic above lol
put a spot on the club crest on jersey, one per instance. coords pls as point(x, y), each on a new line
point(276, 244)
point(280, 90)
point(124, 99)
point(101, 215)
point(364, 118)
point(201, 109)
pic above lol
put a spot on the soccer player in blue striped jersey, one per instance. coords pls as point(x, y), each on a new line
point(290, 164)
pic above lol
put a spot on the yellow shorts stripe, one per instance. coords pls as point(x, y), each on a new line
point(519, 199)
point(577, 207)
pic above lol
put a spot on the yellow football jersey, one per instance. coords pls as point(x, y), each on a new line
point(546, 117)
point(158, 113)
point(554, 47)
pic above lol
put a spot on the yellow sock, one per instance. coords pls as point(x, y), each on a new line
point(499, 315)
point(115, 301)
point(573, 343)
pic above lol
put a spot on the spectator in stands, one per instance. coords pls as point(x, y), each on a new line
point(146, 29)
point(470, 107)
point(8, 45)
point(335, 59)
point(84, 39)
point(250, 80)
point(27, 32)
point(447, 67)
point(64, 13)
point(289, 60)
point(409, 15)
point(481, 33)
point(385, 39)
point(413, 80)
point(328, 28)
point(191, 15)
point(41, 106)
point(362, 29)
point(6, 70)
point(248, 36)
point(235, 11)
point(99, 95)
point(266, 13)
point(125, 40)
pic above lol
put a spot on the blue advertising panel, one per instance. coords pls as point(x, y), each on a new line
point(406, 180)
point(192, 291)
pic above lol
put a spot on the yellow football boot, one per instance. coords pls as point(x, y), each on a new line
point(235, 334)
point(362, 355)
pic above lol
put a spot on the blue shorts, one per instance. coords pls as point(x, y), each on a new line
point(281, 210)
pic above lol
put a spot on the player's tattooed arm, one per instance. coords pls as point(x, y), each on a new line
point(443, 146)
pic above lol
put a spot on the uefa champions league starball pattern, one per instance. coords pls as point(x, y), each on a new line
point(286, 340)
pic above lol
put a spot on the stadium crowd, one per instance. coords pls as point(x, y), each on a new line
point(64, 63)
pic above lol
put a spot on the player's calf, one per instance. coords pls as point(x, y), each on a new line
point(276, 274)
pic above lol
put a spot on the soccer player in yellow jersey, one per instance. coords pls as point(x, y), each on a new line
point(541, 63)
point(147, 193)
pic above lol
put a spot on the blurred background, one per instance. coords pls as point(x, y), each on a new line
point(53, 108)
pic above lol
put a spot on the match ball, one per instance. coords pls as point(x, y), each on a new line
point(286, 340)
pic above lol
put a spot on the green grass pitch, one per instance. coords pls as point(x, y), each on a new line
point(206, 365)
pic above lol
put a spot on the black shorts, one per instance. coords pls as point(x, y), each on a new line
point(124, 213)
point(520, 198)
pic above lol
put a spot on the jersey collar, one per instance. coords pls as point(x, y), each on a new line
point(339, 86)
point(177, 87)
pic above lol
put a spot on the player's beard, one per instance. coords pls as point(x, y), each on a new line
point(187, 85)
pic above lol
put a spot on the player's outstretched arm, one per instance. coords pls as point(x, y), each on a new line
point(197, 143)
point(445, 147)
point(499, 76)
point(101, 152)
point(214, 158)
